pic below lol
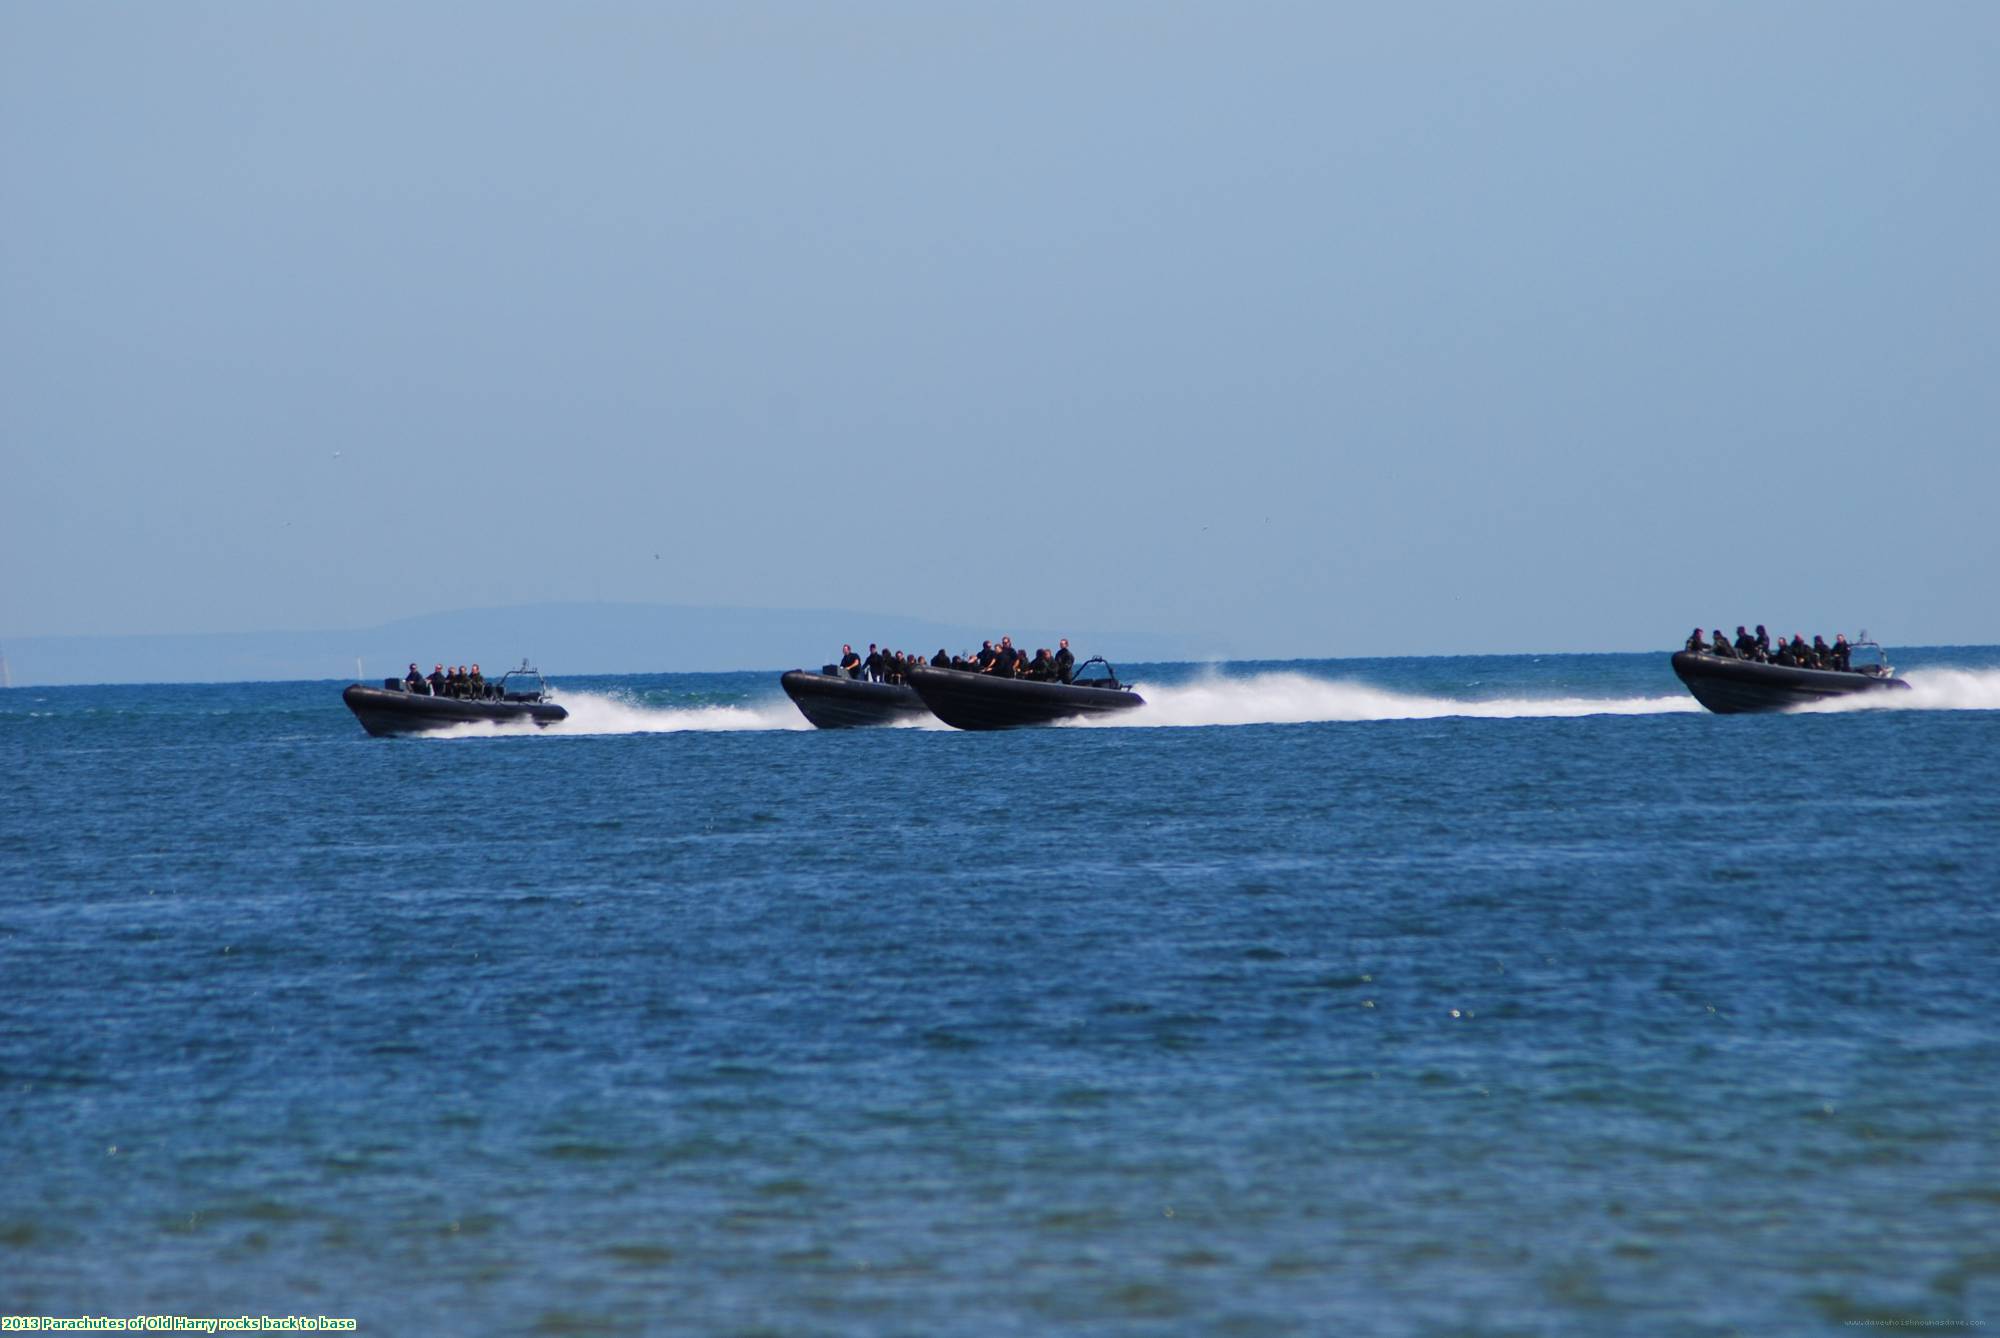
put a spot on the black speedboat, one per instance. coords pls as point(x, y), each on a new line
point(1733, 687)
point(520, 694)
point(987, 701)
point(832, 700)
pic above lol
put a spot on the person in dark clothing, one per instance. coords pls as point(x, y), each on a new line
point(1697, 643)
point(872, 666)
point(1042, 668)
point(1065, 661)
point(850, 663)
point(1010, 659)
point(1843, 653)
point(1746, 645)
point(437, 680)
point(941, 660)
point(987, 655)
point(477, 682)
point(1822, 653)
point(1763, 643)
point(414, 680)
point(1783, 654)
point(1801, 652)
point(1722, 647)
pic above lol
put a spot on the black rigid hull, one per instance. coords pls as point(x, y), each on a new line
point(983, 701)
point(383, 711)
point(1733, 687)
point(833, 702)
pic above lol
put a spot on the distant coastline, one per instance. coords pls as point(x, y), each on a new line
point(582, 639)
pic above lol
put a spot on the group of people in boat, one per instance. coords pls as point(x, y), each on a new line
point(1004, 660)
point(1758, 649)
point(468, 685)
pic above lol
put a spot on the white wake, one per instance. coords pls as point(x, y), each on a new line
point(1930, 690)
point(1288, 699)
point(598, 713)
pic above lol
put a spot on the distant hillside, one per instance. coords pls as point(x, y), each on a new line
point(560, 638)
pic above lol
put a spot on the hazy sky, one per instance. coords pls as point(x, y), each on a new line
point(1331, 329)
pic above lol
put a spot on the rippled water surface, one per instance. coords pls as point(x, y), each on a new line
point(1389, 997)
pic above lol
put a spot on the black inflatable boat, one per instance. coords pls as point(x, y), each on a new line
point(967, 700)
point(1735, 687)
point(831, 700)
point(520, 694)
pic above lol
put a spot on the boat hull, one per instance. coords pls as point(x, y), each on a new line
point(982, 701)
point(833, 702)
point(1739, 687)
point(384, 713)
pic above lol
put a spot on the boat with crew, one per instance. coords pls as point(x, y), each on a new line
point(967, 700)
point(519, 694)
point(1737, 686)
point(832, 700)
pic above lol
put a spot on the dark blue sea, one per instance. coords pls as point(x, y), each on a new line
point(1394, 997)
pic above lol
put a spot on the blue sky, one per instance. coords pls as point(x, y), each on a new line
point(1326, 329)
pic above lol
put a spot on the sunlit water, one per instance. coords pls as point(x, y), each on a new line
point(1499, 995)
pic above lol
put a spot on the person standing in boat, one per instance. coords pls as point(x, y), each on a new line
point(1843, 653)
point(437, 680)
point(871, 667)
point(850, 663)
point(477, 683)
point(1065, 661)
point(1763, 644)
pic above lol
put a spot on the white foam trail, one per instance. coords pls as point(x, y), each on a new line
point(1930, 690)
point(595, 713)
point(1285, 699)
